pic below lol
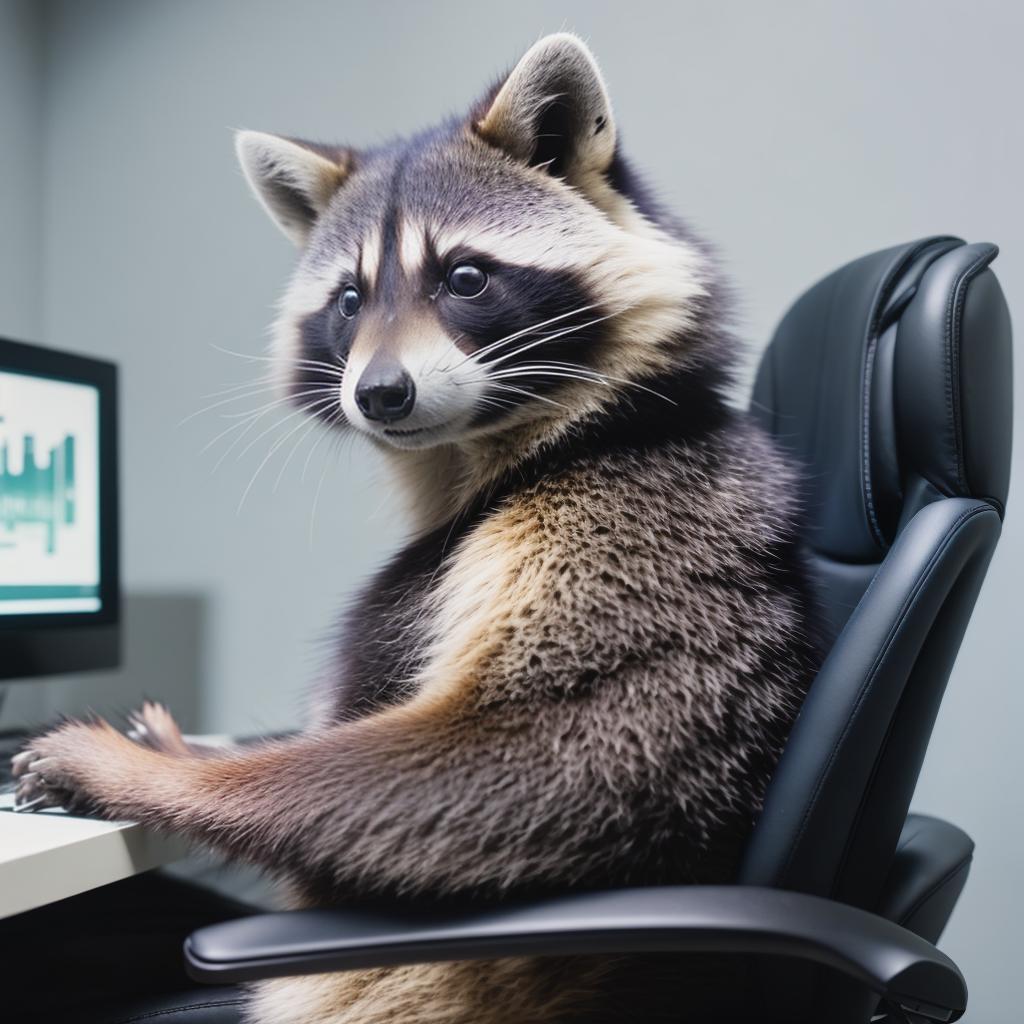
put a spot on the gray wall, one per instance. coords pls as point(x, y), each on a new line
point(21, 93)
point(796, 136)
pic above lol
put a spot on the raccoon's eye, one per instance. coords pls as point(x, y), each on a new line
point(466, 280)
point(349, 301)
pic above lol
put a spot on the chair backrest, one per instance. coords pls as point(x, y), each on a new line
point(890, 381)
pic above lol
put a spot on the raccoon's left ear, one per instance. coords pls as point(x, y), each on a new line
point(553, 111)
point(293, 180)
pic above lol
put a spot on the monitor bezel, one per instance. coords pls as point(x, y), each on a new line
point(55, 642)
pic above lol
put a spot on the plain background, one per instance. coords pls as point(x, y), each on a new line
point(796, 136)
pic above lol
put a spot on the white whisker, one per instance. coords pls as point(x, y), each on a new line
point(552, 337)
point(275, 446)
point(531, 394)
point(227, 390)
point(313, 424)
point(283, 360)
point(498, 403)
point(222, 402)
point(234, 426)
point(553, 374)
point(252, 393)
point(252, 419)
point(316, 444)
point(324, 400)
point(320, 389)
point(518, 334)
point(319, 488)
point(267, 380)
point(595, 376)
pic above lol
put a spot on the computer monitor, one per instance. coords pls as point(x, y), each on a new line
point(60, 602)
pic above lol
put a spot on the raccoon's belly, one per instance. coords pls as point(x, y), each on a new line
point(649, 989)
point(509, 991)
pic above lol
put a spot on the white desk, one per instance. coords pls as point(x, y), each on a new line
point(48, 856)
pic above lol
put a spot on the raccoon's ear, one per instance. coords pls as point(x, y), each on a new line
point(553, 111)
point(292, 179)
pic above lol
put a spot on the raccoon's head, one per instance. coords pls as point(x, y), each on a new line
point(495, 274)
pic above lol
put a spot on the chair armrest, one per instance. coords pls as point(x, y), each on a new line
point(889, 960)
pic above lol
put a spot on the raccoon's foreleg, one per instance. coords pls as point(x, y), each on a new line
point(433, 795)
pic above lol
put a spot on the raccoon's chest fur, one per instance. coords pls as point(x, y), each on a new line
point(655, 627)
point(655, 599)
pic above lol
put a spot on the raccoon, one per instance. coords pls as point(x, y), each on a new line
point(580, 670)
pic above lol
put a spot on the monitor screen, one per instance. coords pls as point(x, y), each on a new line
point(59, 564)
point(49, 496)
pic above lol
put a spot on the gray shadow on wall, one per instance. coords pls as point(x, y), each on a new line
point(164, 655)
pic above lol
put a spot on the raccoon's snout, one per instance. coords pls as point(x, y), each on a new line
point(385, 393)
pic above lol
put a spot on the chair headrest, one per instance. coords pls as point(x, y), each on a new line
point(890, 380)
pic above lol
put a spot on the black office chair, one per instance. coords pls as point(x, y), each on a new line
point(890, 381)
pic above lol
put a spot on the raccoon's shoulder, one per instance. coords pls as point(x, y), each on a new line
point(704, 528)
point(731, 485)
point(648, 529)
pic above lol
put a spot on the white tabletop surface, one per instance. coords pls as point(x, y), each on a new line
point(50, 855)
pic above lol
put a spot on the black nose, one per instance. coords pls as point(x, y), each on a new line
point(386, 394)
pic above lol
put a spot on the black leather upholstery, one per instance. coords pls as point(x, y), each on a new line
point(814, 393)
point(890, 381)
point(207, 1005)
point(952, 381)
point(927, 875)
point(841, 791)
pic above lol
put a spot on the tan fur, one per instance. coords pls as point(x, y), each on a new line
point(510, 991)
point(412, 247)
point(369, 258)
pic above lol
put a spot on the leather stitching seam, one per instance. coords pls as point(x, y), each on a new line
point(954, 316)
point(882, 296)
point(152, 1015)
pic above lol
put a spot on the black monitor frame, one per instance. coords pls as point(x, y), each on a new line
point(48, 644)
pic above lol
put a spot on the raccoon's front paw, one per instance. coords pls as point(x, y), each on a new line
point(58, 769)
point(154, 726)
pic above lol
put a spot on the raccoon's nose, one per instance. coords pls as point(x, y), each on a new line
point(386, 394)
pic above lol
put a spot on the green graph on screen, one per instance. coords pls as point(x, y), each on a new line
point(38, 494)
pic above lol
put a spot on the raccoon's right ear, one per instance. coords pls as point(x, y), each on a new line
point(553, 111)
point(293, 180)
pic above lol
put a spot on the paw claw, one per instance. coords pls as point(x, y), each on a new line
point(22, 806)
point(53, 770)
point(153, 726)
point(21, 761)
point(32, 793)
